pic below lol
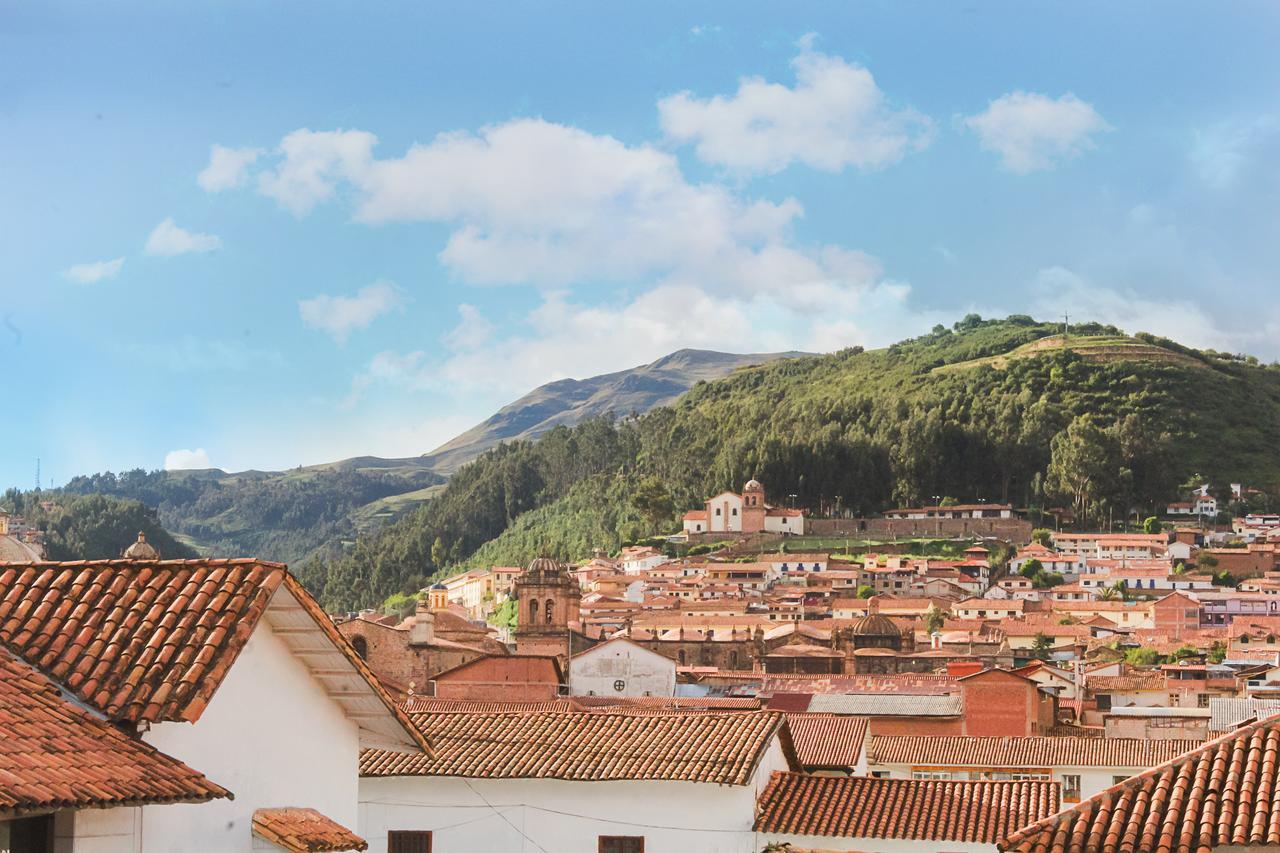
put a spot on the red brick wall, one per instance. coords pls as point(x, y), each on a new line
point(394, 661)
point(923, 726)
point(1000, 705)
point(507, 679)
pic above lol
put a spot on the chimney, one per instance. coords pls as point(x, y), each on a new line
point(423, 630)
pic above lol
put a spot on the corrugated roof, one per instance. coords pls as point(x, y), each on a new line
point(860, 807)
point(1025, 751)
point(700, 747)
point(1228, 712)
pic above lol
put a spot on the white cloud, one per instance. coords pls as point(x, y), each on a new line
point(1031, 131)
point(228, 168)
point(1058, 291)
point(835, 116)
point(94, 272)
point(1223, 152)
point(472, 331)
point(180, 460)
point(312, 163)
point(339, 316)
point(167, 240)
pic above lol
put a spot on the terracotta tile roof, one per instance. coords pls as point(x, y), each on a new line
point(827, 740)
point(304, 831)
point(702, 747)
point(54, 754)
point(432, 705)
point(1133, 681)
point(699, 703)
point(1025, 751)
point(137, 641)
point(1227, 792)
point(152, 640)
point(861, 807)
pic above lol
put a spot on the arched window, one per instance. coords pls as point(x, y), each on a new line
point(551, 611)
point(361, 646)
point(533, 611)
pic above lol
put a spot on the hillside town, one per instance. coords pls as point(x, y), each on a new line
point(1023, 690)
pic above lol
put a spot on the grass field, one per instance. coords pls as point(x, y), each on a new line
point(1098, 347)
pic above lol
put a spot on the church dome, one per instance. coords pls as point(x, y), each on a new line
point(875, 625)
point(544, 566)
point(141, 550)
point(438, 585)
point(753, 485)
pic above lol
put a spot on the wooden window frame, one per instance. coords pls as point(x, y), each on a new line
point(600, 840)
point(416, 834)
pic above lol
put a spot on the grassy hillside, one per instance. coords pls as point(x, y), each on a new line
point(987, 409)
point(282, 515)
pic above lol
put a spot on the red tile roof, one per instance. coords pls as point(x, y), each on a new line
point(1025, 751)
point(861, 807)
point(685, 703)
point(827, 740)
point(152, 640)
point(304, 831)
point(1227, 792)
point(1126, 683)
point(137, 641)
point(54, 754)
point(432, 705)
point(702, 747)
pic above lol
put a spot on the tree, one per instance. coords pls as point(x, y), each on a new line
point(1114, 592)
point(1217, 652)
point(1041, 646)
point(865, 591)
point(438, 553)
point(1143, 656)
point(947, 500)
point(654, 502)
point(1042, 536)
point(933, 619)
point(1152, 525)
point(1031, 568)
point(1082, 465)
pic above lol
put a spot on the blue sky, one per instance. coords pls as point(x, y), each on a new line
point(273, 234)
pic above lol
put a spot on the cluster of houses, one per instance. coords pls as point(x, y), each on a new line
point(1092, 693)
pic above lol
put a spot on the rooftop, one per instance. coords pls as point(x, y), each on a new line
point(304, 831)
point(858, 807)
point(1025, 751)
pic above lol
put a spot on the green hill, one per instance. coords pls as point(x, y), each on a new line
point(988, 409)
point(277, 515)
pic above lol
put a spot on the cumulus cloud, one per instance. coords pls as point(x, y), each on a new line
point(167, 240)
point(228, 168)
point(94, 272)
point(1223, 152)
point(1031, 131)
point(834, 116)
point(312, 163)
point(181, 460)
point(339, 316)
point(472, 331)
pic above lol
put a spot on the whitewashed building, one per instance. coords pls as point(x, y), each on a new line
point(620, 667)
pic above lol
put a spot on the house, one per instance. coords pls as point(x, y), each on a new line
point(1156, 722)
point(639, 558)
point(523, 678)
point(731, 512)
point(830, 744)
point(576, 783)
point(1220, 796)
point(1082, 766)
point(226, 666)
point(1111, 545)
point(986, 608)
point(619, 667)
point(479, 591)
point(784, 563)
point(896, 815)
point(1049, 559)
point(978, 510)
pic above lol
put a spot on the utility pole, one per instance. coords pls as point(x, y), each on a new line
point(1066, 325)
point(37, 473)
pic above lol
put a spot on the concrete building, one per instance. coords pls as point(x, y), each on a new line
point(620, 667)
point(748, 512)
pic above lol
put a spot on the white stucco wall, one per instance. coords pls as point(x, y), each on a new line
point(875, 845)
point(642, 672)
point(273, 737)
point(466, 815)
point(97, 831)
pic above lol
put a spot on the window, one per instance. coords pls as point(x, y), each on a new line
point(1071, 787)
point(735, 510)
point(930, 774)
point(1104, 701)
point(533, 612)
point(361, 647)
point(402, 841)
point(551, 611)
point(27, 835)
point(717, 510)
point(622, 844)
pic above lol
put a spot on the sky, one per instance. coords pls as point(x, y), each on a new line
point(260, 235)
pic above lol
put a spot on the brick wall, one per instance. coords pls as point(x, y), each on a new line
point(996, 704)
point(506, 679)
point(1015, 530)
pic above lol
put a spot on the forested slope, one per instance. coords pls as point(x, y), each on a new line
point(1106, 428)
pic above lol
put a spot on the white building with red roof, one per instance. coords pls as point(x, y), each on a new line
point(745, 512)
